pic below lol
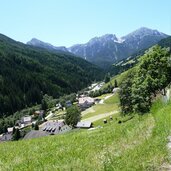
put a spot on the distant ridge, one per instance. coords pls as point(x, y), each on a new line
point(41, 44)
point(107, 49)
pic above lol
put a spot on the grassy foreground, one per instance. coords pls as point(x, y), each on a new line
point(138, 144)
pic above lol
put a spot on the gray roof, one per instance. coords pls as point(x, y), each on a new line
point(52, 127)
point(49, 131)
point(84, 124)
point(6, 137)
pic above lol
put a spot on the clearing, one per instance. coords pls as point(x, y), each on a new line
point(101, 110)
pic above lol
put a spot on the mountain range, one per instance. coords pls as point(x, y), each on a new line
point(107, 49)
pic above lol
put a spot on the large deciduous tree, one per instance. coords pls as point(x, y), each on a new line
point(73, 115)
point(151, 76)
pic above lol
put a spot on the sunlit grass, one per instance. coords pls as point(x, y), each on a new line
point(138, 144)
point(110, 105)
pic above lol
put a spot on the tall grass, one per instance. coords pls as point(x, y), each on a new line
point(138, 144)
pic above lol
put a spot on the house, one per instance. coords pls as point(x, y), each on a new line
point(59, 106)
point(96, 100)
point(84, 124)
point(49, 128)
point(6, 137)
point(52, 127)
point(10, 129)
point(64, 129)
point(85, 102)
point(26, 120)
point(68, 103)
point(115, 90)
point(39, 113)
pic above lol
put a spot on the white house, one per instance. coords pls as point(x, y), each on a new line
point(84, 124)
point(85, 102)
point(10, 129)
point(115, 90)
point(26, 119)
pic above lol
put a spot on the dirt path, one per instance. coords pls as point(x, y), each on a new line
point(102, 101)
point(100, 116)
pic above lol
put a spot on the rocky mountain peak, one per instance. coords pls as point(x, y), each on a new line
point(38, 43)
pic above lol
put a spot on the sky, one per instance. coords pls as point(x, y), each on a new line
point(69, 22)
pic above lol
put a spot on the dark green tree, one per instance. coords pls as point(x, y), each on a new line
point(36, 126)
point(5, 128)
point(107, 78)
point(44, 105)
point(115, 84)
point(13, 131)
point(16, 136)
point(32, 125)
point(125, 95)
point(151, 76)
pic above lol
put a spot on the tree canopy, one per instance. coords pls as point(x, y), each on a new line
point(73, 115)
point(150, 76)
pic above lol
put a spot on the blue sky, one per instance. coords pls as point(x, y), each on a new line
point(68, 22)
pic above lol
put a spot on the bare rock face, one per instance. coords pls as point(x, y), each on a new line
point(108, 49)
point(38, 43)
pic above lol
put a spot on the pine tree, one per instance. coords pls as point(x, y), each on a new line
point(115, 84)
point(44, 105)
point(16, 135)
point(107, 78)
point(36, 126)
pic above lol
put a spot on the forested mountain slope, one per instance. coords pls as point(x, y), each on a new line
point(165, 42)
point(129, 62)
point(26, 73)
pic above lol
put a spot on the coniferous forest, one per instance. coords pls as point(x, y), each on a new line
point(27, 73)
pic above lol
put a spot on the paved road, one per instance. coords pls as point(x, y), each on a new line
point(100, 116)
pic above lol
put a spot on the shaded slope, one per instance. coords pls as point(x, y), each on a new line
point(26, 73)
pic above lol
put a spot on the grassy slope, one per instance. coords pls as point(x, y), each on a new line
point(110, 105)
point(138, 144)
point(119, 78)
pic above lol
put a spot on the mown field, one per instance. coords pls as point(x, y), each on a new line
point(111, 104)
point(135, 144)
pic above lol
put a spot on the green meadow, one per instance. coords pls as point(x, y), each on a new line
point(139, 143)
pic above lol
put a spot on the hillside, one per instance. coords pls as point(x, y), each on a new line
point(38, 43)
point(165, 42)
point(132, 60)
point(26, 73)
point(136, 141)
point(139, 144)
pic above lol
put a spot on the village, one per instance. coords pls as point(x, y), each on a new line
point(52, 121)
